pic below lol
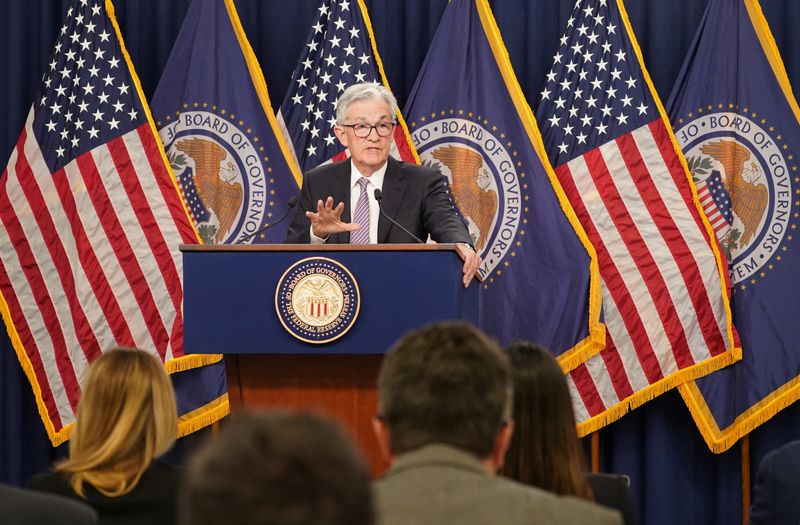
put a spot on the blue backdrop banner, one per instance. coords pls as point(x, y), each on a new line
point(219, 130)
point(736, 120)
point(540, 277)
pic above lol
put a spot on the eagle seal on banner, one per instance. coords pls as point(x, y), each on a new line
point(470, 188)
point(749, 197)
point(222, 197)
point(744, 187)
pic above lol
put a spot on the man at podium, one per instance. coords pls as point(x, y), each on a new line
point(372, 198)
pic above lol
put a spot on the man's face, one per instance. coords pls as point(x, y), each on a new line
point(369, 153)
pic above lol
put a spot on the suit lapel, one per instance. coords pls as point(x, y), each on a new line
point(394, 188)
point(340, 191)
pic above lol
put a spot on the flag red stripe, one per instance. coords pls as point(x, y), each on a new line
point(87, 339)
point(152, 232)
point(587, 390)
point(31, 349)
point(342, 155)
point(23, 329)
point(168, 189)
point(640, 253)
point(616, 371)
point(38, 289)
point(678, 175)
point(402, 145)
point(689, 270)
point(717, 221)
point(91, 265)
point(123, 251)
point(176, 336)
point(613, 280)
point(671, 160)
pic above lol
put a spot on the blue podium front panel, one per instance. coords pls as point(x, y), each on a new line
point(230, 298)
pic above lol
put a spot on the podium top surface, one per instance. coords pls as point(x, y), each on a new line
point(318, 247)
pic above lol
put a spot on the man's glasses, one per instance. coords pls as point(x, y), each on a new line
point(362, 131)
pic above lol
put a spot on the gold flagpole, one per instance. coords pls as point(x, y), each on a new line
point(595, 452)
point(745, 479)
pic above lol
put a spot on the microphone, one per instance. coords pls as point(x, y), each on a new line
point(291, 204)
point(378, 196)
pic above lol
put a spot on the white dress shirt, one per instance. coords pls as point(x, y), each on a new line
point(375, 183)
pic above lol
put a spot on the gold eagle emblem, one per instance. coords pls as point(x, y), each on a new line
point(220, 196)
point(748, 197)
point(470, 188)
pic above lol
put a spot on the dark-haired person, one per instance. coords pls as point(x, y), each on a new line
point(775, 500)
point(29, 507)
point(277, 469)
point(337, 201)
point(545, 451)
point(444, 423)
point(126, 418)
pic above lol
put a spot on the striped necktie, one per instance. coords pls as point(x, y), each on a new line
point(361, 215)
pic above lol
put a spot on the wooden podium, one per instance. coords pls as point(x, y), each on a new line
point(232, 297)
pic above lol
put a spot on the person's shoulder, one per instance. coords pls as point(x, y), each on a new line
point(782, 459)
point(790, 450)
point(581, 511)
point(30, 506)
point(162, 476)
point(552, 508)
point(327, 169)
point(417, 170)
point(50, 481)
point(166, 468)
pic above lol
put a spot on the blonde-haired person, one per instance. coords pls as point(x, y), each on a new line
point(126, 418)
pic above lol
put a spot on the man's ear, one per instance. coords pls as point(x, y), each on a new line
point(501, 444)
point(341, 135)
point(383, 435)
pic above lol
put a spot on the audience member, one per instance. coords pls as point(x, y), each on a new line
point(444, 423)
point(775, 500)
point(28, 507)
point(277, 469)
point(545, 451)
point(126, 418)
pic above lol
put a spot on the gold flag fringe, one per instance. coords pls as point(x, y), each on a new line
point(656, 389)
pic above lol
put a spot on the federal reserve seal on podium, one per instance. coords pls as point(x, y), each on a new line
point(317, 300)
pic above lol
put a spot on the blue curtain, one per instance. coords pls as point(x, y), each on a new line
point(675, 478)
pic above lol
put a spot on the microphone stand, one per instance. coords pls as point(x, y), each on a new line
point(291, 204)
point(378, 196)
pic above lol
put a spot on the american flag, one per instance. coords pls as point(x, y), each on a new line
point(340, 52)
point(91, 221)
point(664, 304)
point(716, 203)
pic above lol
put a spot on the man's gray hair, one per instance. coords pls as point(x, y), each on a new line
point(364, 91)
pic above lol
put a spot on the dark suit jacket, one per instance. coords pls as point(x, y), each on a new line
point(613, 491)
point(775, 493)
point(151, 502)
point(414, 196)
point(439, 485)
point(28, 507)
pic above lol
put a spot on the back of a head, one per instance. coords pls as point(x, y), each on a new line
point(544, 449)
point(126, 417)
point(277, 469)
point(446, 383)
